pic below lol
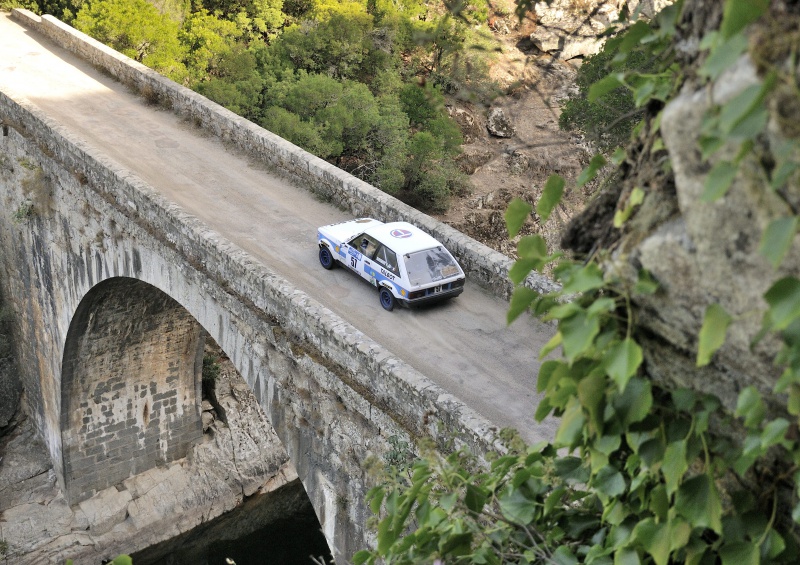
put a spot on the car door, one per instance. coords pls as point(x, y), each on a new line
point(361, 250)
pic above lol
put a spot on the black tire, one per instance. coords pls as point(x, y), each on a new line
point(326, 258)
point(387, 299)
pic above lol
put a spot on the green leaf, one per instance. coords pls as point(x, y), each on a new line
point(554, 342)
point(675, 465)
point(774, 544)
point(622, 361)
point(723, 56)
point(619, 156)
point(740, 553)
point(578, 333)
point(609, 482)
point(712, 334)
point(777, 239)
point(517, 508)
point(718, 181)
point(739, 108)
point(563, 556)
point(361, 557)
point(521, 268)
point(683, 399)
point(737, 14)
point(122, 560)
point(475, 497)
point(634, 403)
point(591, 395)
point(626, 556)
point(710, 144)
point(699, 502)
point(520, 301)
point(635, 199)
point(571, 470)
point(634, 35)
point(597, 163)
point(774, 433)
point(516, 214)
point(645, 283)
point(783, 298)
point(751, 407)
point(659, 503)
point(551, 196)
point(572, 422)
point(532, 247)
point(655, 539)
point(783, 170)
point(583, 279)
point(604, 86)
point(553, 499)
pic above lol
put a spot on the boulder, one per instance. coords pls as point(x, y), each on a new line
point(567, 32)
point(498, 123)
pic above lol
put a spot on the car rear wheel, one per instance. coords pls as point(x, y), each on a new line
point(387, 299)
point(326, 258)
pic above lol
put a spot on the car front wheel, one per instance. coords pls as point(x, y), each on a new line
point(387, 299)
point(326, 258)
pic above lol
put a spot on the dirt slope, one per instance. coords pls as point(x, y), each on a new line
point(534, 86)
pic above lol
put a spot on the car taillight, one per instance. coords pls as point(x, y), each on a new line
point(417, 294)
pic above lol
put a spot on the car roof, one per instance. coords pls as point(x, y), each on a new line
point(402, 237)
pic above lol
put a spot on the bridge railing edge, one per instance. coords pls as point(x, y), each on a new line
point(487, 267)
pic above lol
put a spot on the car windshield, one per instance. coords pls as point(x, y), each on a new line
point(430, 266)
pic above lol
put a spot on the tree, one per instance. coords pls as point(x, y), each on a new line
point(136, 29)
point(258, 19)
point(207, 41)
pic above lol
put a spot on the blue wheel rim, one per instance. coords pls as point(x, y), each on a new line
point(387, 300)
point(325, 257)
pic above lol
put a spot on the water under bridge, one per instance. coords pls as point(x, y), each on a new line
point(137, 216)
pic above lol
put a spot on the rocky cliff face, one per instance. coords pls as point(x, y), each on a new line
point(700, 252)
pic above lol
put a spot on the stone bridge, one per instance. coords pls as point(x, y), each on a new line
point(116, 288)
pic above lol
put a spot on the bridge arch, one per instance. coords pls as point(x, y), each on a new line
point(130, 390)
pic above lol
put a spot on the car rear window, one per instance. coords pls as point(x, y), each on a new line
point(429, 266)
point(387, 258)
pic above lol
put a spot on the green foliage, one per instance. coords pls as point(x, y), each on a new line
point(341, 80)
point(211, 369)
point(614, 86)
point(23, 212)
point(256, 18)
point(208, 40)
point(136, 29)
point(8, 5)
point(636, 474)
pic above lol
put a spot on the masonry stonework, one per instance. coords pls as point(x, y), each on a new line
point(130, 392)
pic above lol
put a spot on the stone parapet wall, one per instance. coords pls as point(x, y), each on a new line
point(481, 264)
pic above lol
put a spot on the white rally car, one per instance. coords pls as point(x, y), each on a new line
point(406, 264)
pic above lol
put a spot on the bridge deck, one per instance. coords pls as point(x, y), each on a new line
point(464, 345)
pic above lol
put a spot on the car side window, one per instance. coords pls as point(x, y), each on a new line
point(365, 244)
point(387, 258)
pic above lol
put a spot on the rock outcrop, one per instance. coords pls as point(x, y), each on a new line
point(701, 253)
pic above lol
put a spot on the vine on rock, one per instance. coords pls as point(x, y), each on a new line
point(637, 473)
